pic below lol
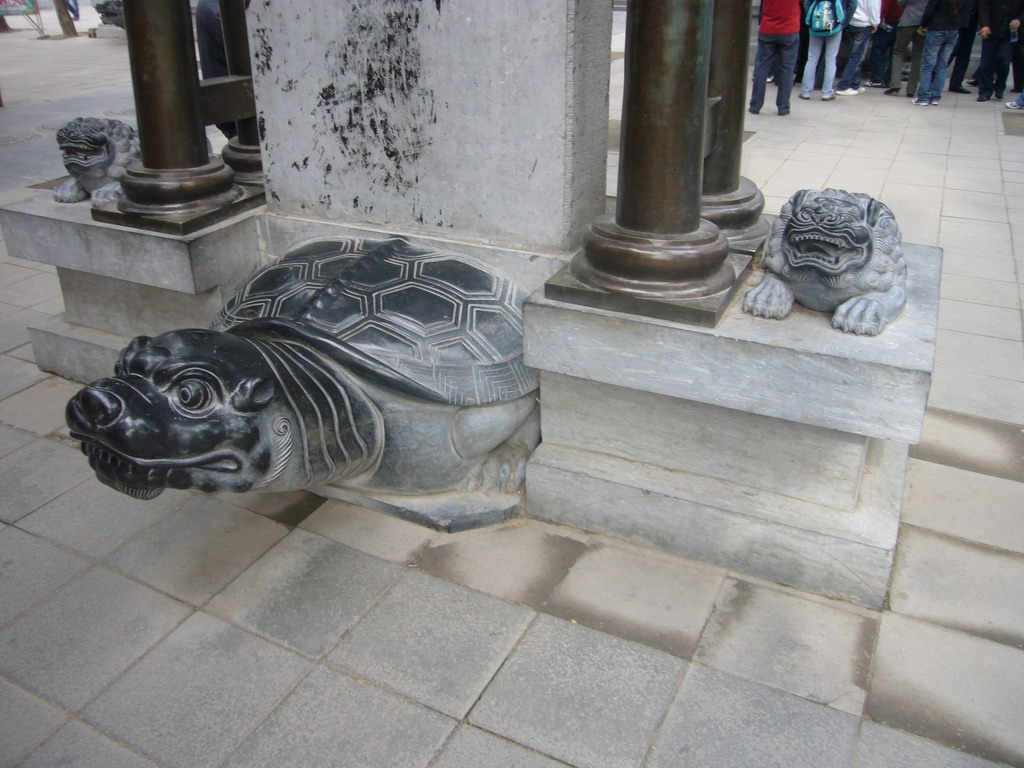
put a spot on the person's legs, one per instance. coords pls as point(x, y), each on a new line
point(961, 58)
point(859, 37)
point(1004, 56)
point(762, 68)
point(986, 69)
point(946, 46)
point(814, 46)
point(916, 49)
point(787, 48)
point(899, 51)
point(828, 90)
point(928, 57)
point(881, 54)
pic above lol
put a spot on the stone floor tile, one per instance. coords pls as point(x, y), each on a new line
point(721, 721)
point(332, 719)
point(964, 504)
point(40, 408)
point(984, 446)
point(305, 592)
point(810, 649)
point(79, 746)
point(198, 549)
point(983, 355)
point(33, 290)
point(286, 507)
point(12, 439)
point(435, 642)
point(520, 562)
point(372, 532)
point(71, 646)
point(980, 290)
point(967, 262)
point(24, 352)
point(37, 473)
point(204, 672)
point(959, 584)
point(95, 520)
point(639, 595)
point(30, 569)
point(25, 721)
point(11, 274)
point(950, 687)
point(975, 395)
point(881, 747)
point(580, 695)
point(16, 375)
point(981, 320)
point(472, 748)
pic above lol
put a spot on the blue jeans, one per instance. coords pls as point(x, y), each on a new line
point(859, 37)
point(938, 47)
point(814, 48)
point(776, 54)
point(996, 54)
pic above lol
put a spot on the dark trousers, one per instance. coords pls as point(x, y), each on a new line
point(859, 39)
point(961, 57)
point(881, 53)
point(775, 54)
point(210, 40)
point(996, 53)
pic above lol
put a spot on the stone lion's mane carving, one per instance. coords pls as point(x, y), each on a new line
point(96, 153)
point(833, 251)
point(385, 365)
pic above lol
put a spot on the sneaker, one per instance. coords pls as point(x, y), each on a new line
point(921, 102)
point(848, 92)
point(876, 84)
point(805, 96)
point(933, 102)
point(829, 98)
point(1013, 105)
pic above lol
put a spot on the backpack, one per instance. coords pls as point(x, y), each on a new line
point(825, 18)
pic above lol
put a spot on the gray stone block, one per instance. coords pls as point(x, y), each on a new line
point(473, 748)
point(24, 722)
point(331, 719)
point(191, 700)
point(579, 695)
point(719, 524)
point(721, 721)
point(95, 520)
point(520, 562)
point(874, 386)
point(305, 592)
point(72, 646)
point(37, 473)
point(881, 747)
point(960, 585)
point(30, 569)
point(950, 687)
point(638, 595)
point(539, 77)
point(435, 642)
point(41, 230)
point(81, 746)
point(814, 650)
point(198, 549)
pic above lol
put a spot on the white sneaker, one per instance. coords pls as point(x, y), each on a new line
point(849, 92)
point(1013, 105)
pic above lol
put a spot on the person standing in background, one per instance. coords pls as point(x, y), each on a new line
point(942, 21)
point(777, 40)
point(882, 43)
point(961, 57)
point(830, 45)
point(906, 35)
point(998, 25)
point(866, 19)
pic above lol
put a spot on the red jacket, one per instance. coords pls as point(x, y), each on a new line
point(780, 17)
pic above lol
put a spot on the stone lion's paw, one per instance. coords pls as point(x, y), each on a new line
point(861, 315)
point(69, 192)
point(771, 298)
point(107, 194)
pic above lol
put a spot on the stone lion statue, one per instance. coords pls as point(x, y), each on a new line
point(95, 152)
point(833, 251)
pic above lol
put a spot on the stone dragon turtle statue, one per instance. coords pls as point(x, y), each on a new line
point(380, 365)
point(833, 251)
point(96, 152)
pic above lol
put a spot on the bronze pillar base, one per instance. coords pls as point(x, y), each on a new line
point(177, 191)
point(738, 216)
point(245, 160)
point(683, 266)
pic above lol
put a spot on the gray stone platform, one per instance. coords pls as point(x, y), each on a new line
point(187, 631)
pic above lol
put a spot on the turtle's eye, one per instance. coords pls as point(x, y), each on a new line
point(193, 397)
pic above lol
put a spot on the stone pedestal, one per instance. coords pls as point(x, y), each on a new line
point(776, 448)
point(119, 282)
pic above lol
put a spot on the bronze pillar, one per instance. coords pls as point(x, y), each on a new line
point(657, 251)
point(177, 176)
point(730, 200)
point(243, 151)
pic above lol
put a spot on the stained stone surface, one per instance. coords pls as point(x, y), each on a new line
point(25, 721)
point(332, 719)
point(882, 747)
point(35, 474)
point(31, 568)
point(721, 721)
point(471, 748)
point(372, 532)
point(551, 695)
point(80, 746)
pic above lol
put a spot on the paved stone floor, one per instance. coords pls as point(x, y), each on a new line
point(195, 631)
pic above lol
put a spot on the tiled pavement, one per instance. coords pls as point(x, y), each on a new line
point(195, 631)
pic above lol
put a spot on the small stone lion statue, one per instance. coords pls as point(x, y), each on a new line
point(833, 251)
point(96, 153)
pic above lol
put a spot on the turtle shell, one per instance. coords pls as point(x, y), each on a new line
point(432, 324)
